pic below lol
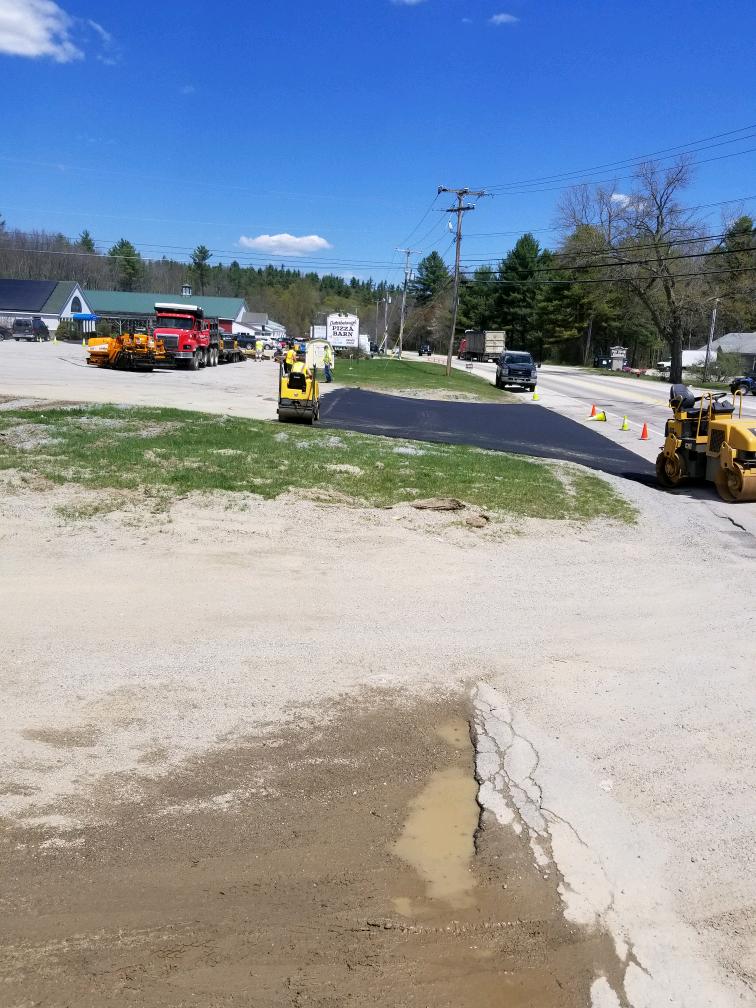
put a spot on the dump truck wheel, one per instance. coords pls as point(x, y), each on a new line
point(671, 472)
point(194, 361)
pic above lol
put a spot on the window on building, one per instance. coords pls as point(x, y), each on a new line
point(76, 305)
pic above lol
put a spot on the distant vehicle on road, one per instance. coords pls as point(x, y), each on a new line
point(486, 346)
point(517, 368)
point(32, 329)
point(425, 349)
point(746, 382)
point(5, 333)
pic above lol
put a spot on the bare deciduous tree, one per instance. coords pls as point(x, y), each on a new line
point(647, 240)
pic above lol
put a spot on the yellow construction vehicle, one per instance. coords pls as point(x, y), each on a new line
point(130, 351)
point(703, 441)
point(298, 393)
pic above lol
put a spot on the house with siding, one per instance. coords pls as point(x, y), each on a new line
point(49, 300)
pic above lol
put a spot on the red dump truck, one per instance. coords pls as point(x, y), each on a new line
point(191, 340)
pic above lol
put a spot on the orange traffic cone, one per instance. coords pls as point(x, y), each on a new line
point(644, 433)
point(593, 411)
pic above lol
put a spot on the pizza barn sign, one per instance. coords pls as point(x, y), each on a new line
point(343, 330)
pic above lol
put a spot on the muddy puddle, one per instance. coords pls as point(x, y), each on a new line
point(345, 864)
point(438, 836)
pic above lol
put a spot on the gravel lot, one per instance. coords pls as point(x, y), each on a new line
point(136, 644)
point(143, 650)
point(59, 371)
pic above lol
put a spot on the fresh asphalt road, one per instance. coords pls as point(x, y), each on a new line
point(524, 429)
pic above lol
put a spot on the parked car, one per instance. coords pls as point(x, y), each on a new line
point(516, 367)
point(5, 333)
point(425, 349)
point(746, 382)
point(33, 329)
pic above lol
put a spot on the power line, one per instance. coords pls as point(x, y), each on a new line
point(623, 178)
point(634, 248)
point(509, 234)
point(421, 221)
point(611, 280)
point(636, 159)
point(329, 264)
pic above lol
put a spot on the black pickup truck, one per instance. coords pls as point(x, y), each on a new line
point(746, 382)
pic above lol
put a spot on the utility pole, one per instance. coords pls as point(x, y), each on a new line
point(386, 303)
point(407, 274)
point(460, 209)
point(711, 338)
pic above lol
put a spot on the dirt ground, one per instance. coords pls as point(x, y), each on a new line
point(201, 707)
point(266, 874)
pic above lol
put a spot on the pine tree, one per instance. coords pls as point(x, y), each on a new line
point(200, 268)
point(431, 278)
point(129, 265)
point(86, 241)
point(517, 298)
point(477, 300)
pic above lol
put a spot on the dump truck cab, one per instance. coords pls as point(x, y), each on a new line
point(185, 334)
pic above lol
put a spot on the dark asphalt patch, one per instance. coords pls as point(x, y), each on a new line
point(518, 428)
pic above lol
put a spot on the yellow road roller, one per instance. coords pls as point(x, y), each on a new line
point(704, 441)
point(298, 393)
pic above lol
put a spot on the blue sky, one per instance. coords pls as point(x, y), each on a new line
point(176, 123)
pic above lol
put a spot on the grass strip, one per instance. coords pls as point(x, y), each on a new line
point(386, 374)
point(175, 453)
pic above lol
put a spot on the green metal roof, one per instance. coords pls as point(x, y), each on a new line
point(59, 297)
point(104, 302)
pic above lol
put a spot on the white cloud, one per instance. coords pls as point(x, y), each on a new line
point(285, 244)
point(35, 28)
point(108, 50)
point(620, 198)
point(187, 89)
point(407, 3)
point(502, 19)
point(105, 36)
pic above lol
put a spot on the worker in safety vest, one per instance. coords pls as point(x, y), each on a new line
point(328, 362)
point(290, 359)
point(259, 349)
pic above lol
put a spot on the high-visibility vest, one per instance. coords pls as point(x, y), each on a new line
point(291, 356)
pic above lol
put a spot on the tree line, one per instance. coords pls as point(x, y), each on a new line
point(636, 269)
point(292, 297)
